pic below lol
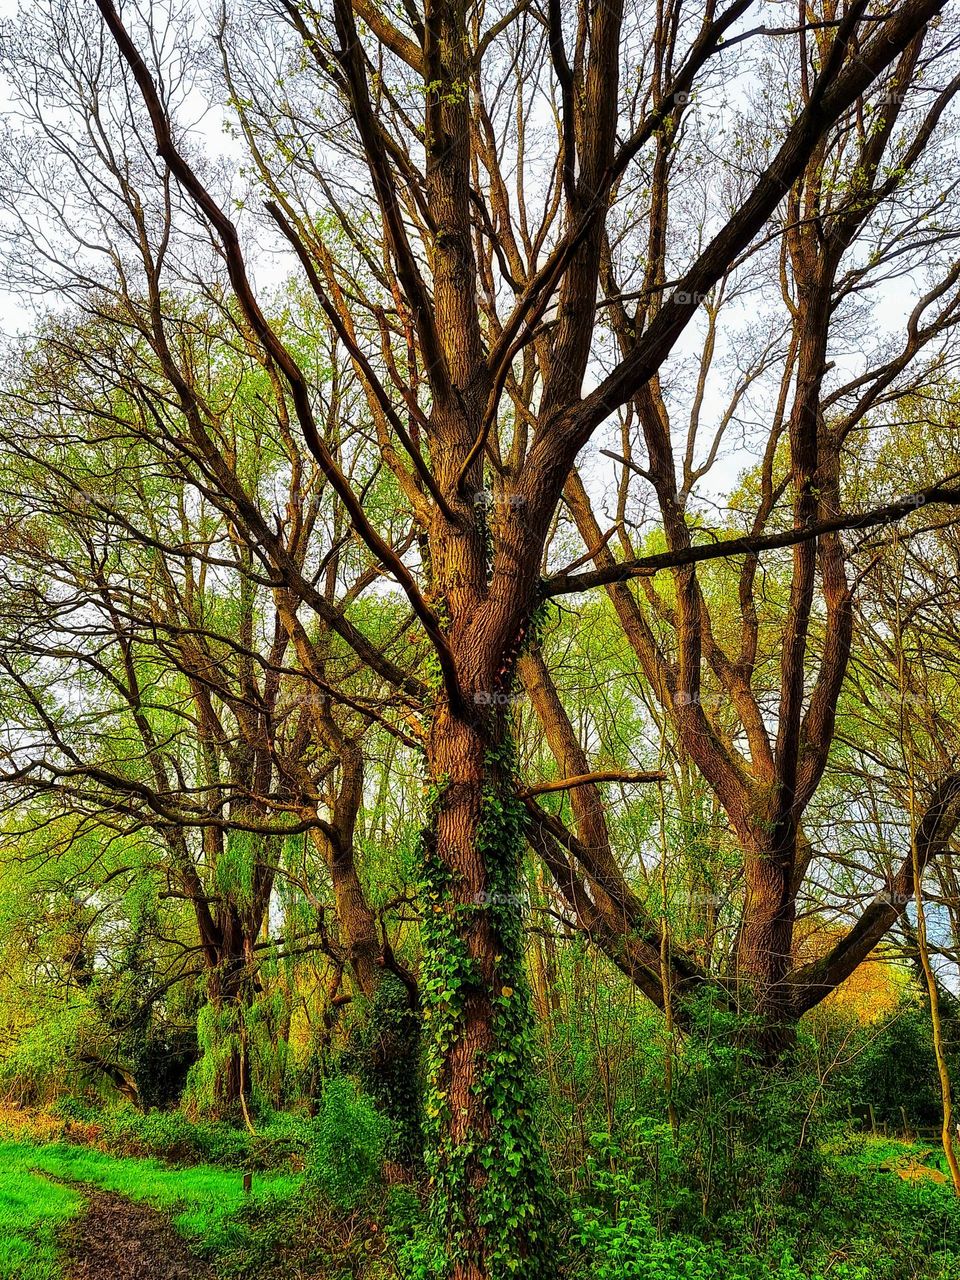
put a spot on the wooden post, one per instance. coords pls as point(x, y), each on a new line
point(873, 1119)
point(247, 1183)
point(906, 1124)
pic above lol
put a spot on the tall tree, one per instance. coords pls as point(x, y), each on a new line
point(398, 167)
point(749, 678)
point(153, 675)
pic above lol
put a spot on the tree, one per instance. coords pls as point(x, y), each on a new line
point(750, 688)
point(472, 328)
point(126, 586)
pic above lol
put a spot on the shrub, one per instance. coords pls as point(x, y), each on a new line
point(382, 1048)
point(749, 1135)
point(417, 1252)
point(351, 1139)
point(628, 1246)
point(894, 1067)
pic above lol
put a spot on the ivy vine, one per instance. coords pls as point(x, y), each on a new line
point(494, 1186)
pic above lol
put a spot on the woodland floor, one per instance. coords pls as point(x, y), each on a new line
point(115, 1239)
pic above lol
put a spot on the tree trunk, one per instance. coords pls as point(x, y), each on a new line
point(229, 995)
point(765, 945)
point(542, 953)
point(487, 1169)
point(936, 1022)
point(228, 949)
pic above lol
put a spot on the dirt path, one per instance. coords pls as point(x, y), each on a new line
point(116, 1239)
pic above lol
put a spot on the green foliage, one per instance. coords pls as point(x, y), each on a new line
point(42, 1054)
point(170, 1135)
point(83, 1000)
point(416, 1249)
point(220, 1042)
point(748, 1135)
point(157, 1050)
point(351, 1140)
point(422, 1257)
point(511, 1200)
point(240, 1039)
point(895, 1067)
point(629, 1247)
point(233, 874)
point(603, 1031)
point(383, 1051)
point(860, 1223)
point(635, 1213)
point(282, 1139)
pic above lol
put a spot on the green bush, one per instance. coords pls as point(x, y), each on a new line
point(346, 1159)
point(248, 1244)
point(628, 1245)
point(642, 1212)
point(281, 1137)
point(749, 1136)
point(381, 1048)
point(416, 1251)
point(170, 1135)
point(894, 1066)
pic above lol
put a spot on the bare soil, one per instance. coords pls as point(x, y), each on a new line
point(115, 1239)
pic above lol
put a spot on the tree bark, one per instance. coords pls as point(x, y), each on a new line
point(229, 993)
point(488, 1176)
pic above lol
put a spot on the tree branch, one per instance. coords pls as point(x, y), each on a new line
point(233, 254)
point(586, 779)
point(815, 981)
point(750, 544)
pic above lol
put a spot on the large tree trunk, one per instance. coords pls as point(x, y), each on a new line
point(488, 1175)
point(765, 944)
point(228, 940)
point(228, 994)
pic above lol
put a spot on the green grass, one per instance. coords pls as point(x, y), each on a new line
point(31, 1211)
point(202, 1201)
point(869, 1154)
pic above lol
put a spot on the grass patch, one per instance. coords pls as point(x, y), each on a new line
point(866, 1154)
point(203, 1202)
point(31, 1212)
